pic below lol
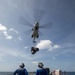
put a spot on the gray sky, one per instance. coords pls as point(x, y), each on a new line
point(56, 43)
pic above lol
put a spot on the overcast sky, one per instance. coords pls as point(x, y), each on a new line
point(56, 42)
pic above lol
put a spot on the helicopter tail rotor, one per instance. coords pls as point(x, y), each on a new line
point(34, 41)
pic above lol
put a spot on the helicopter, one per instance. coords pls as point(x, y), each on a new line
point(38, 14)
point(35, 31)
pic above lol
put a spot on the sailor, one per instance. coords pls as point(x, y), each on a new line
point(21, 70)
point(41, 70)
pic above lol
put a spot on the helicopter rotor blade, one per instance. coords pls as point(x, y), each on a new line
point(23, 21)
point(48, 25)
point(28, 32)
point(38, 14)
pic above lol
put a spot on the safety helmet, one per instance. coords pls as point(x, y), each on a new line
point(40, 65)
point(22, 65)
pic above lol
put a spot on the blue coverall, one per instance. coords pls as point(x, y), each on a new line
point(41, 72)
point(21, 71)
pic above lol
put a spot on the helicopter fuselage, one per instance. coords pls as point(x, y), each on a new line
point(35, 30)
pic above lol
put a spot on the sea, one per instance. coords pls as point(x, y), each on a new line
point(33, 73)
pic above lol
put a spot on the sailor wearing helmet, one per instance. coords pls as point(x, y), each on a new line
point(21, 70)
point(41, 70)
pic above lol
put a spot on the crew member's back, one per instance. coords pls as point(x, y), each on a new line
point(41, 71)
point(21, 70)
